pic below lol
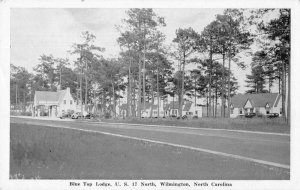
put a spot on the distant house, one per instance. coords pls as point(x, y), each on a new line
point(53, 104)
point(189, 108)
point(147, 111)
point(261, 104)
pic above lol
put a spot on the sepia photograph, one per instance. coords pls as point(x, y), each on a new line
point(149, 93)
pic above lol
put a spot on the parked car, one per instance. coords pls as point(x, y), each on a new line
point(76, 115)
point(273, 115)
point(173, 116)
point(184, 117)
point(250, 115)
point(65, 115)
point(89, 116)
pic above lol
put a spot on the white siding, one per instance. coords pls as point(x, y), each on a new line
point(65, 104)
point(235, 113)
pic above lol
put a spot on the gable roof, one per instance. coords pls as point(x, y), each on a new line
point(277, 101)
point(48, 96)
point(250, 101)
point(257, 100)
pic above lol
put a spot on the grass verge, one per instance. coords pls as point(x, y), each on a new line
point(39, 152)
point(276, 125)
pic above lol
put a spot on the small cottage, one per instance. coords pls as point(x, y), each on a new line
point(53, 104)
point(260, 104)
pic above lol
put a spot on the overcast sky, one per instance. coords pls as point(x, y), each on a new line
point(53, 31)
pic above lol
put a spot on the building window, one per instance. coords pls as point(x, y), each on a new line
point(241, 111)
point(65, 101)
point(71, 102)
point(196, 112)
point(231, 111)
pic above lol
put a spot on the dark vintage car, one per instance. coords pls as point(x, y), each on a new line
point(184, 117)
point(250, 115)
point(273, 115)
point(65, 115)
point(76, 115)
point(89, 116)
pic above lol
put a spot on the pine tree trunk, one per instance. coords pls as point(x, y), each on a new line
point(16, 95)
point(86, 88)
point(152, 100)
point(223, 86)
point(114, 99)
point(216, 104)
point(283, 90)
point(128, 112)
point(229, 85)
point(144, 79)
point(279, 84)
point(134, 99)
point(207, 106)
point(158, 95)
point(81, 94)
point(182, 88)
point(195, 92)
point(209, 88)
point(130, 93)
point(213, 105)
point(139, 92)
point(289, 92)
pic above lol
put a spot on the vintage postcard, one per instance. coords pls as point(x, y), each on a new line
point(149, 95)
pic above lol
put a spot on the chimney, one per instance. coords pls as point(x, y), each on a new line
point(68, 89)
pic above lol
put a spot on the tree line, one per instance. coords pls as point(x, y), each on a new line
point(149, 69)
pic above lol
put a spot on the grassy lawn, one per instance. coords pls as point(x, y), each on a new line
point(38, 152)
point(275, 125)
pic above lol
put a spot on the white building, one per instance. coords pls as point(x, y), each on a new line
point(261, 104)
point(53, 104)
point(189, 109)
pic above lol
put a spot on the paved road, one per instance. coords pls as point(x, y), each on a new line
point(269, 149)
